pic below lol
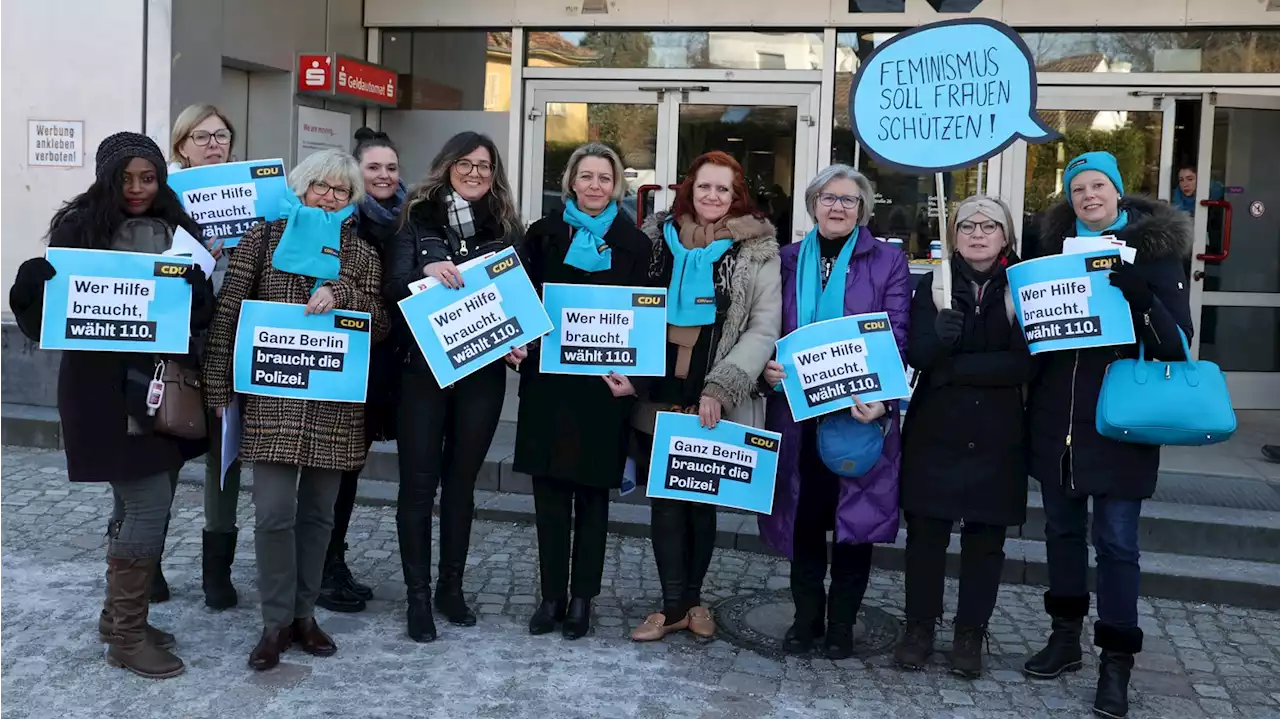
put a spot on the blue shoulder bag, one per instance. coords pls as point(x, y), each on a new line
point(1185, 402)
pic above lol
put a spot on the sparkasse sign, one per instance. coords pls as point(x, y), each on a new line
point(347, 79)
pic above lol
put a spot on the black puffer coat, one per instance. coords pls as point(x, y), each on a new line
point(964, 448)
point(1063, 397)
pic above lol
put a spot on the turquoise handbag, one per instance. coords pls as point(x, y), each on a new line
point(1184, 403)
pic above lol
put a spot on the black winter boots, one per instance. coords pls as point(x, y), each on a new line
point(1062, 653)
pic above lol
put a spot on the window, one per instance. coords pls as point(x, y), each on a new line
point(450, 70)
point(697, 49)
point(1175, 51)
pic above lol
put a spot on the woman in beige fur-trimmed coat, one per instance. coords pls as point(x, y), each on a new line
point(718, 257)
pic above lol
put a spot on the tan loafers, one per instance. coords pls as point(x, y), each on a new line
point(701, 623)
point(655, 627)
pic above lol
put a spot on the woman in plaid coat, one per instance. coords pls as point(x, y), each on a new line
point(288, 438)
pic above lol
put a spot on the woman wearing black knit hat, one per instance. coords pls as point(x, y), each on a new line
point(105, 425)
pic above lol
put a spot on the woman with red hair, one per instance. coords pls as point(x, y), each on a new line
point(718, 257)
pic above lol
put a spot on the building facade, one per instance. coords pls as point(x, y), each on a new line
point(1163, 84)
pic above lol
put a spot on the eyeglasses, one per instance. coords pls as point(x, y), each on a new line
point(465, 167)
point(988, 228)
point(847, 202)
point(341, 194)
point(202, 138)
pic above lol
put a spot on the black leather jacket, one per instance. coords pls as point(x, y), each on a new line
point(425, 238)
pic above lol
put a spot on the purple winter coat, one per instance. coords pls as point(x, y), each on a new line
point(878, 281)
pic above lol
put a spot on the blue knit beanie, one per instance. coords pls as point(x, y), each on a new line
point(1103, 162)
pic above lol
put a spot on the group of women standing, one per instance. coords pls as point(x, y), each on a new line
point(985, 412)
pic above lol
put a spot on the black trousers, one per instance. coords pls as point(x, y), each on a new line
point(342, 509)
point(444, 436)
point(560, 506)
point(850, 564)
point(684, 538)
point(981, 563)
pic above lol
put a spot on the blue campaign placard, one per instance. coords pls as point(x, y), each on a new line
point(227, 199)
point(463, 330)
point(731, 465)
point(829, 362)
point(283, 352)
point(1065, 302)
point(108, 301)
point(598, 329)
point(946, 96)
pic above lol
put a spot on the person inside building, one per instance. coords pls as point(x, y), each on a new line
point(1184, 193)
point(838, 269)
point(202, 135)
point(572, 432)
point(378, 216)
point(963, 443)
point(299, 448)
point(462, 210)
point(712, 240)
point(107, 432)
point(1067, 455)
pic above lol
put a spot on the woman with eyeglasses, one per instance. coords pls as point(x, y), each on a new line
point(463, 210)
point(203, 135)
point(299, 448)
point(838, 269)
point(963, 440)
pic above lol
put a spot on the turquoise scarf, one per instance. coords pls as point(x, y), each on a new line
point(691, 298)
point(588, 251)
point(312, 242)
point(813, 302)
point(1121, 221)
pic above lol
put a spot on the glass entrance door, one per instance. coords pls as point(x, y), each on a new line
point(1235, 264)
point(659, 129)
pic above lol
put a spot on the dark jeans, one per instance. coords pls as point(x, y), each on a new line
point(981, 563)
point(1115, 542)
point(220, 503)
point(559, 506)
point(850, 563)
point(684, 538)
point(443, 439)
point(342, 509)
point(139, 527)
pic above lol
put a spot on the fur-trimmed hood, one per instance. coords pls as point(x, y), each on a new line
point(1156, 229)
point(757, 238)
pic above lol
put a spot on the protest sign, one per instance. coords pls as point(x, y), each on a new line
point(601, 329)
point(227, 199)
point(109, 301)
point(946, 96)
point(829, 362)
point(730, 465)
point(1065, 302)
point(283, 352)
point(460, 331)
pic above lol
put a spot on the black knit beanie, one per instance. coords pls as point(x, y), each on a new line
point(124, 146)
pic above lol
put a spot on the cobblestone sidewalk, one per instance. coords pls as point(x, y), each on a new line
point(1200, 660)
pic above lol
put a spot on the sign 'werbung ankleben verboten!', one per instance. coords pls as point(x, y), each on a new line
point(347, 79)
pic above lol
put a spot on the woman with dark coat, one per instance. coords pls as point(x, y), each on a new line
point(377, 216)
point(809, 499)
point(1070, 459)
point(463, 210)
point(572, 431)
point(102, 395)
point(963, 457)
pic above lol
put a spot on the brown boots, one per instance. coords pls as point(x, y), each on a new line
point(135, 645)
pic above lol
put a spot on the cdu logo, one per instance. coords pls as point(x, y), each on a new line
point(351, 324)
point(648, 300)
point(171, 269)
point(766, 443)
point(1102, 263)
point(866, 326)
point(503, 265)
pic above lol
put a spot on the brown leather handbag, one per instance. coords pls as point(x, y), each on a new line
point(181, 412)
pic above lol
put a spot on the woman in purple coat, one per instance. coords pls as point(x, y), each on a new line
point(867, 276)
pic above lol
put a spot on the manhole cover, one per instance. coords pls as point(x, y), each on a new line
point(759, 621)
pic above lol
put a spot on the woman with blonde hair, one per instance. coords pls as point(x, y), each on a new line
point(299, 448)
point(572, 431)
point(202, 135)
point(463, 210)
point(964, 457)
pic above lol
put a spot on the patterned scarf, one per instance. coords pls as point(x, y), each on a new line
point(461, 217)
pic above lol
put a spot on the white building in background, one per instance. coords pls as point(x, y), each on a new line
point(1165, 81)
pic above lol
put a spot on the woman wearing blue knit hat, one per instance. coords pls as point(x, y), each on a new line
point(1070, 459)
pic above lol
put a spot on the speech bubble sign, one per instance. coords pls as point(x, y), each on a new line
point(946, 96)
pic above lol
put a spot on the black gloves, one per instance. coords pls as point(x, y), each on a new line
point(195, 275)
point(28, 286)
point(1135, 287)
point(949, 324)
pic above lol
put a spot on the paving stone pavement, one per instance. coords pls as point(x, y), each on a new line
point(1200, 661)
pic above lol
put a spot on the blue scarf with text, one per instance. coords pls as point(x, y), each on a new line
point(691, 297)
point(588, 250)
